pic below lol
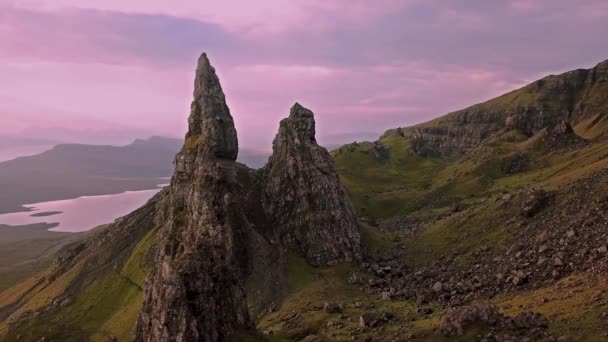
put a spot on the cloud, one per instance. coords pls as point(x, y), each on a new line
point(92, 36)
point(359, 66)
point(243, 16)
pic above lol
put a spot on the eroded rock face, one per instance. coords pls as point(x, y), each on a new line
point(196, 291)
point(303, 198)
point(209, 113)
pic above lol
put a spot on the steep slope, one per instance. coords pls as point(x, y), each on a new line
point(577, 97)
point(214, 246)
point(503, 203)
point(452, 160)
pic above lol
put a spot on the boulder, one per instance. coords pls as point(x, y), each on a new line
point(455, 321)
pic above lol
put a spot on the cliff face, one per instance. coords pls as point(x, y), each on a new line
point(577, 97)
point(196, 292)
point(210, 116)
point(308, 208)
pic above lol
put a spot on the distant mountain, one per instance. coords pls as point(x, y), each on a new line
point(72, 170)
point(12, 147)
point(11, 141)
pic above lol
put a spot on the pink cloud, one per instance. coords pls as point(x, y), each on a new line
point(261, 17)
point(94, 65)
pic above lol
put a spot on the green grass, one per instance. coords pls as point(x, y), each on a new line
point(28, 250)
point(463, 233)
point(134, 268)
point(104, 301)
point(299, 273)
point(573, 306)
point(385, 188)
point(376, 241)
point(302, 314)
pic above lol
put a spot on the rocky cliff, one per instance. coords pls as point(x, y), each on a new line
point(577, 97)
point(196, 292)
point(321, 228)
point(213, 215)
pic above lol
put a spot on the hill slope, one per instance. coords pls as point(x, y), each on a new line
point(501, 202)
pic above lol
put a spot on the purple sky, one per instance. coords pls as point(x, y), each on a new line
point(113, 70)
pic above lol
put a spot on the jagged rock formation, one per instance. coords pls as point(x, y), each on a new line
point(323, 228)
point(220, 233)
point(576, 98)
point(196, 293)
point(209, 113)
point(213, 219)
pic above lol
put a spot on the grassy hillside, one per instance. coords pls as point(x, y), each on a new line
point(93, 291)
point(459, 204)
point(27, 250)
point(449, 215)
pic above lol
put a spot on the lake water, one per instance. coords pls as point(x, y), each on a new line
point(83, 213)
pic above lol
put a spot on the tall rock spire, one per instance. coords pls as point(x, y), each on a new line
point(196, 292)
point(210, 116)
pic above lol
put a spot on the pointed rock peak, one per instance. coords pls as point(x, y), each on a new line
point(297, 110)
point(316, 218)
point(210, 116)
point(303, 121)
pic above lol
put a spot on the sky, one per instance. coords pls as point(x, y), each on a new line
point(109, 71)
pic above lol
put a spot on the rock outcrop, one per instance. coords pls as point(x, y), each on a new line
point(221, 221)
point(574, 98)
point(209, 113)
point(308, 208)
point(196, 292)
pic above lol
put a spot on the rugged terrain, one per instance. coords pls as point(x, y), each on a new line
point(486, 224)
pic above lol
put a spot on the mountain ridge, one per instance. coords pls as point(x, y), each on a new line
point(574, 97)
